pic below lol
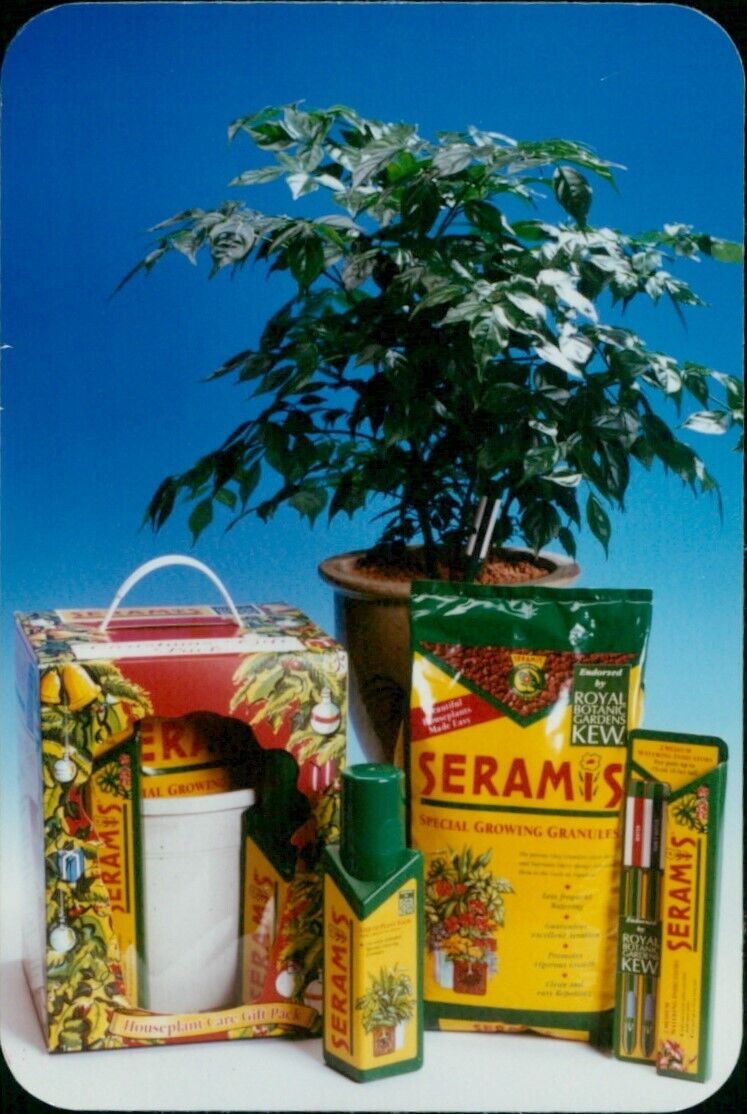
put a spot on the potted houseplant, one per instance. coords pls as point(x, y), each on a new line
point(386, 1005)
point(464, 908)
point(441, 361)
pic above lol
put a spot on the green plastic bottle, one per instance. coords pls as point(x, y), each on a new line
point(373, 932)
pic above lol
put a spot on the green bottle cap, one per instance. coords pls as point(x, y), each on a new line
point(373, 820)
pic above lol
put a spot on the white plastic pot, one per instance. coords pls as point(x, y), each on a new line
point(191, 895)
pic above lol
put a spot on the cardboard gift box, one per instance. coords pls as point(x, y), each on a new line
point(180, 775)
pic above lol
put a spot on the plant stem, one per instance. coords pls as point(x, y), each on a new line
point(334, 277)
point(448, 218)
point(429, 544)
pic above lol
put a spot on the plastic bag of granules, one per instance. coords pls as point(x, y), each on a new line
point(521, 704)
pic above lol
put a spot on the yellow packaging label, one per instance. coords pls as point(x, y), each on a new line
point(370, 1011)
point(695, 769)
point(681, 985)
point(177, 760)
point(447, 1025)
point(113, 808)
point(265, 893)
point(519, 822)
point(151, 1028)
point(673, 762)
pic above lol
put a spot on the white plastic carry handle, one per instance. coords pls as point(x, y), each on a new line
point(162, 563)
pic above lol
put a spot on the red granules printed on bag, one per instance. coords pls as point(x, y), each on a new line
point(523, 681)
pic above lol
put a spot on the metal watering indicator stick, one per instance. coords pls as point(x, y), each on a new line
point(658, 792)
point(639, 929)
point(483, 529)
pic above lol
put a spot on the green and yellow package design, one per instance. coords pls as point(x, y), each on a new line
point(172, 706)
point(373, 973)
point(695, 768)
point(522, 701)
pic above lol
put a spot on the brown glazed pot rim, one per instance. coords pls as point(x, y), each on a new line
point(341, 572)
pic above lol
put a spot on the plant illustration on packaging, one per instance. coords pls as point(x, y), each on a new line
point(692, 810)
point(464, 908)
point(116, 777)
point(286, 691)
point(387, 1004)
point(81, 708)
point(672, 1057)
point(299, 944)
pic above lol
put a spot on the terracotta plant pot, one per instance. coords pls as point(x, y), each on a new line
point(470, 977)
point(383, 1040)
point(372, 622)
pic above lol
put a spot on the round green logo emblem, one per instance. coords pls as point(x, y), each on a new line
point(526, 679)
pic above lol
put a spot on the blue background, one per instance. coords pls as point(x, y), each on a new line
point(115, 117)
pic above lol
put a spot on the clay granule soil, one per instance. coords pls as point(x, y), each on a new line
point(502, 567)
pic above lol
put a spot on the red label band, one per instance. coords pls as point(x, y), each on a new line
point(451, 715)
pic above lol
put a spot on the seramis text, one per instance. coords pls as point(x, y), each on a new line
point(679, 895)
point(483, 775)
point(339, 1001)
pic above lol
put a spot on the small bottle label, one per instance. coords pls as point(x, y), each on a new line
point(370, 979)
point(264, 896)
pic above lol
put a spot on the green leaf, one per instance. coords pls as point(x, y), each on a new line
point(695, 380)
point(540, 523)
point(201, 517)
point(532, 230)
point(681, 459)
point(567, 540)
point(725, 251)
point(565, 479)
point(162, 503)
point(497, 453)
point(306, 259)
point(573, 192)
point(309, 501)
point(263, 116)
point(598, 520)
point(617, 423)
point(257, 177)
point(540, 460)
point(733, 387)
point(453, 158)
point(200, 473)
point(440, 292)
point(614, 461)
point(227, 497)
point(270, 136)
point(402, 166)
point(275, 442)
point(420, 205)
point(248, 481)
point(709, 421)
point(349, 497)
point(486, 217)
